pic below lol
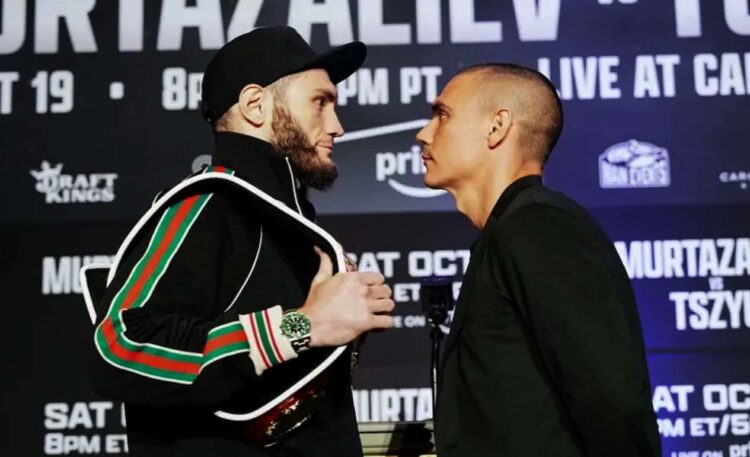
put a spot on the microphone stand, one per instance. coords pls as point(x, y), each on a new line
point(436, 296)
point(436, 334)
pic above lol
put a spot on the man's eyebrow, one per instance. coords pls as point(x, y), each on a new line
point(440, 106)
point(329, 94)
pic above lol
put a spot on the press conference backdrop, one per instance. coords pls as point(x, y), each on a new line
point(98, 112)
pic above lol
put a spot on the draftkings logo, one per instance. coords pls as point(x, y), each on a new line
point(634, 164)
point(58, 187)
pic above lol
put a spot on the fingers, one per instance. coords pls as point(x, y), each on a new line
point(370, 278)
point(384, 305)
point(379, 291)
point(325, 270)
point(381, 321)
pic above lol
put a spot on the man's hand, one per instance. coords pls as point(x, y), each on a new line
point(343, 306)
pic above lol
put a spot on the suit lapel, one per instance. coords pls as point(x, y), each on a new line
point(464, 297)
point(502, 209)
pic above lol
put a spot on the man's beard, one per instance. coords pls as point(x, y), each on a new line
point(289, 140)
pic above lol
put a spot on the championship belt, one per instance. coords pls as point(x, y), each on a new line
point(287, 416)
point(295, 410)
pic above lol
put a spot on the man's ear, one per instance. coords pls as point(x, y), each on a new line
point(499, 127)
point(251, 104)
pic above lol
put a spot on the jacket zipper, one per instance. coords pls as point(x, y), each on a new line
point(294, 185)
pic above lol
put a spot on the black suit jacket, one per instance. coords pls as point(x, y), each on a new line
point(545, 356)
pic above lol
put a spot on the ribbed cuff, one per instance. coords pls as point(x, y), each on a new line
point(268, 346)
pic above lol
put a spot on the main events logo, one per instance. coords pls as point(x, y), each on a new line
point(80, 188)
point(634, 164)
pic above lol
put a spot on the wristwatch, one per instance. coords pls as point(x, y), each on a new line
point(296, 327)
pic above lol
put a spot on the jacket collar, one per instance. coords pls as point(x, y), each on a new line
point(508, 196)
point(255, 161)
point(512, 191)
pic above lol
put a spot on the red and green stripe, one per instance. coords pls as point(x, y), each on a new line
point(223, 341)
point(150, 359)
point(265, 339)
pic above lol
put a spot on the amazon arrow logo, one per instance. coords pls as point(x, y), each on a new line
point(393, 164)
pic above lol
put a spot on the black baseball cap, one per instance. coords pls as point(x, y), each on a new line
point(264, 55)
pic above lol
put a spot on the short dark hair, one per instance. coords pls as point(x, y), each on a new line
point(545, 108)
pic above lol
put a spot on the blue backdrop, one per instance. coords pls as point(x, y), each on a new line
point(98, 112)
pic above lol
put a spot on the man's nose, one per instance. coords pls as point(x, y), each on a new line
point(334, 128)
point(424, 136)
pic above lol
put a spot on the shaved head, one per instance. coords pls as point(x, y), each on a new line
point(528, 95)
point(491, 125)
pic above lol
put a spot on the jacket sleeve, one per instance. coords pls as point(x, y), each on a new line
point(578, 305)
point(171, 334)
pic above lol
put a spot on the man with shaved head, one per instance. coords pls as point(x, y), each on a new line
point(545, 355)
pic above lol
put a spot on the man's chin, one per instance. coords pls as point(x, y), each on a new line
point(433, 183)
point(320, 177)
point(325, 165)
point(324, 152)
point(326, 162)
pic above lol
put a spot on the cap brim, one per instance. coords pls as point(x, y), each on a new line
point(340, 62)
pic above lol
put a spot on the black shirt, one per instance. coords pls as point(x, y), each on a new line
point(545, 356)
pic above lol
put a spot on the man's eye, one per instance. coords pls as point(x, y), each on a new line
point(321, 102)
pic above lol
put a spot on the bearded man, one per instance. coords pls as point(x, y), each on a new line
point(219, 295)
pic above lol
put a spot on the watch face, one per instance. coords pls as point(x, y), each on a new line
point(295, 325)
